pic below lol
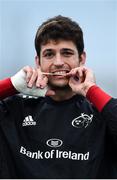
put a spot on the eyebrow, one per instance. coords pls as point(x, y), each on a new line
point(63, 49)
point(67, 49)
point(47, 50)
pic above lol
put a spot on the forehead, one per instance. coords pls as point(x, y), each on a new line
point(57, 45)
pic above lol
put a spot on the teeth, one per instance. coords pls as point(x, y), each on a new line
point(60, 72)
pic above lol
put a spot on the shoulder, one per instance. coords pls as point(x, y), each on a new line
point(19, 100)
point(85, 104)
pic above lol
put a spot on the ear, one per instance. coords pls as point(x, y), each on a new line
point(37, 61)
point(82, 58)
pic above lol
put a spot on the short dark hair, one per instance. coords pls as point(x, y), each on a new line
point(59, 27)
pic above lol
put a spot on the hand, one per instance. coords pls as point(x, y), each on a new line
point(34, 77)
point(81, 79)
point(30, 81)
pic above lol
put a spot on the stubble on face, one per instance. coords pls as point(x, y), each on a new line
point(59, 86)
point(70, 61)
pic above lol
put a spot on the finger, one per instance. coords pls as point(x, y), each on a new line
point(68, 74)
point(75, 73)
point(39, 79)
point(42, 82)
point(71, 73)
point(32, 78)
point(28, 70)
point(78, 72)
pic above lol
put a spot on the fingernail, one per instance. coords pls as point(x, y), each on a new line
point(76, 78)
point(38, 85)
point(41, 87)
point(29, 85)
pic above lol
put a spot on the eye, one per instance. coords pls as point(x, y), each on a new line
point(48, 55)
point(67, 53)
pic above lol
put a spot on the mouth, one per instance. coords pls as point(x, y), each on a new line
point(60, 73)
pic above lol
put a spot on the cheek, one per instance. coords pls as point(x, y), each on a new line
point(45, 66)
point(74, 63)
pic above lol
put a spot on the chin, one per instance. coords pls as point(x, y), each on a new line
point(59, 84)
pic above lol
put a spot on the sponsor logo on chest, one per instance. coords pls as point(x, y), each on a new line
point(82, 121)
point(28, 121)
point(56, 154)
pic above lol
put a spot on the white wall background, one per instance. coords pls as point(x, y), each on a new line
point(19, 20)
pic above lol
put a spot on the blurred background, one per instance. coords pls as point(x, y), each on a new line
point(19, 20)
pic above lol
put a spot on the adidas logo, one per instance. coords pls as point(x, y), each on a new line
point(28, 121)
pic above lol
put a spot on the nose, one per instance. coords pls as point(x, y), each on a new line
point(58, 61)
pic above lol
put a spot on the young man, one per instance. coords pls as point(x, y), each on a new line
point(71, 131)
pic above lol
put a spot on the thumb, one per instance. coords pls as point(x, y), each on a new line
point(50, 93)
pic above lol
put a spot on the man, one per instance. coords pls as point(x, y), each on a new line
point(71, 131)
